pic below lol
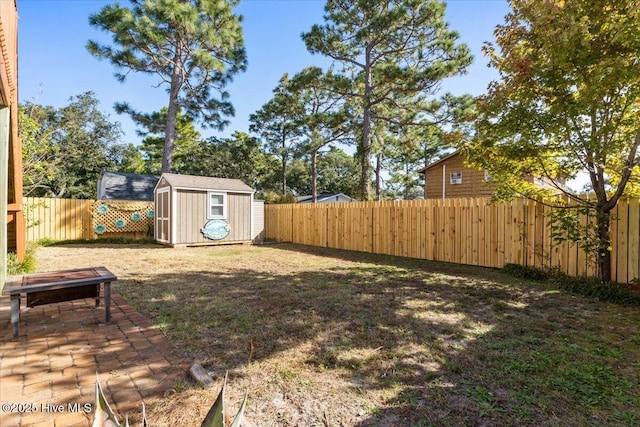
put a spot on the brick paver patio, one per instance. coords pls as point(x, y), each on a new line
point(51, 369)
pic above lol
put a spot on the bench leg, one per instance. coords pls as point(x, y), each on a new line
point(107, 302)
point(98, 295)
point(15, 314)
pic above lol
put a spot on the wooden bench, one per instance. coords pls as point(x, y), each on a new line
point(58, 286)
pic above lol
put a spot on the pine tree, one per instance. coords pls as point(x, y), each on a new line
point(194, 47)
point(388, 56)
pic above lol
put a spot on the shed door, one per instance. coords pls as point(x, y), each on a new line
point(162, 215)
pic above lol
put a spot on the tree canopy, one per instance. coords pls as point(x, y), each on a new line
point(277, 124)
point(568, 100)
point(65, 149)
point(194, 48)
point(324, 117)
point(389, 56)
point(151, 128)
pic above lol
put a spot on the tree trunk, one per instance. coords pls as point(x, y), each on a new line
point(407, 181)
point(284, 164)
point(172, 114)
point(379, 176)
point(284, 175)
point(366, 130)
point(314, 176)
point(604, 243)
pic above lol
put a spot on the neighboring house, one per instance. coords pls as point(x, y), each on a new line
point(126, 186)
point(12, 224)
point(449, 177)
point(325, 198)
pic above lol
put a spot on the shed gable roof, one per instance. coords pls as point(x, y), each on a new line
point(205, 183)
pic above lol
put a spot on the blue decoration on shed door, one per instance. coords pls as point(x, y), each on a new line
point(216, 229)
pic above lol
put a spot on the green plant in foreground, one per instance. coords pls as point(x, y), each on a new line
point(27, 265)
point(105, 417)
point(525, 272)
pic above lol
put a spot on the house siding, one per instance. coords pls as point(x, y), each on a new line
point(12, 222)
point(473, 184)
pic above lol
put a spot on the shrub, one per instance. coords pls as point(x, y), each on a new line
point(603, 291)
point(589, 287)
point(28, 264)
point(525, 272)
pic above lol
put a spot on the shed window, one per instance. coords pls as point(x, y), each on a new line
point(217, 205)
point(456, 178)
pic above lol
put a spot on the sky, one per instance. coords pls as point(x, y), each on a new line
point(54, 64)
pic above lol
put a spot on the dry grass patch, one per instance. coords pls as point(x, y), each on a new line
point(328, 338)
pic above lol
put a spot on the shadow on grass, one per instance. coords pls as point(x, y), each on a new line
point(435, 344)
point(415, 264)
point(97, 244)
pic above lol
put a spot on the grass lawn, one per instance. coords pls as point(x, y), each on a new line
point(323, 337)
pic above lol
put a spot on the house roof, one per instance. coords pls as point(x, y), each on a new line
point(206, 183)
point(324, 198)
point(437, 162)
point(126, 186)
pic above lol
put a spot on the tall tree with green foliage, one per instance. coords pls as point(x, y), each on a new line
point(412, 149)
point(239, 157)
point(66, 149)
point(389, 56)
point(194, 48)
point(325, 118)
point(568, 100)
point(129, 159)
point(278, 125)
point(37, 127)
point(185, 147)
point(338, 172)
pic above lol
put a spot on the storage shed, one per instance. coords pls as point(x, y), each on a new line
point(197, 210)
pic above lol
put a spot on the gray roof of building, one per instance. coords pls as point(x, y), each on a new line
point(126, 186)
point(323, 197)
point(437, 162)
point(206, 183)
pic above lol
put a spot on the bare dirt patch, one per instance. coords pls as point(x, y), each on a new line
point(322, 337)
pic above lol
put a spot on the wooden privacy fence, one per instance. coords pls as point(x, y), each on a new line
point(69, 219)
point(463, 231)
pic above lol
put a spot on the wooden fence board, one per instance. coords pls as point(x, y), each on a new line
point(634, 241)
point(621, 248)
point(614, 243)
point(582, 255)
point(482, 233)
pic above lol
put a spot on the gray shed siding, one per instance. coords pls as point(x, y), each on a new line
point(163, 213)
point(191, 215)
point(258, 221)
